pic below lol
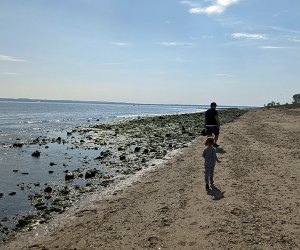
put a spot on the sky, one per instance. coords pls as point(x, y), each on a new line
point(233, 52)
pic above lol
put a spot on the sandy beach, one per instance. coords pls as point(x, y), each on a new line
point(255, 204)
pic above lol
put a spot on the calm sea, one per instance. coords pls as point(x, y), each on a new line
point(27, 119)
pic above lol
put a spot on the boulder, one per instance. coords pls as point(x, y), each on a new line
point(90, 173)
point(18, 144)
point(69, 176)
point(48, 190)
point(36, 154)
point(137, 149)
point(122, 157)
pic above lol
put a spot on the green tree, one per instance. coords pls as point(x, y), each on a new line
point(296, 98)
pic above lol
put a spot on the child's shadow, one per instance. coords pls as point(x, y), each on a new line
point(216, 193)
point(220, 151)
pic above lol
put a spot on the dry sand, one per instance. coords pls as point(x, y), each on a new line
point(255, 205)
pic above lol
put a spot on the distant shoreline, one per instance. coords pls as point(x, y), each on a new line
point(29, 100)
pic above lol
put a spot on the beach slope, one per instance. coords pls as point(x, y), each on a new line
point(255, 205)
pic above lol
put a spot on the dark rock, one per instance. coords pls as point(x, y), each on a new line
point(56, 209)
point(22, 223)
point(52, 164)
point(99, 158)
point(50, 171)
point(121, 149)
point(40, 206)
point(69, 176)
point(69, 133)
point(58, 139)
point(105, 153)
point(46, 146)
point(146, 151)
point(25, 173)
point(1, 195)
point(36, 154)
point(15, 170)
point(105, 183)
point(4, 219)
point(12, 193)
point(168, 135)
point(64, 191)
point(90, 173)
point(18, 144)
point(122, 157)
point(48, 190)
point(137, 149)
point(37, 184)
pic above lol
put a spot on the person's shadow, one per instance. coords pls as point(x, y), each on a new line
point(216, 193)
point(220, 151)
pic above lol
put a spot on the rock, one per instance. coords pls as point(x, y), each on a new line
point(25, 173)
point(146, 151)
point(4, 219)
point(90, 173)
point(12, 193)
point(40, 206)
point(22, 223)
point(64, 191)
point(121, 149)
point(15, 170)
point(1, 195)
point(69, 133)
point(122, 157)
point(50, 171)
point(105, 153)
point(69, 176)
point(18, 144)
point(48, 190)
point(58, 139)
point(36, 154)
point(105, 183)
point(37, 184)
point(52, 164)
point(137, 149)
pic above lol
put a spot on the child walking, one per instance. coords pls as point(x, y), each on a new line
point(211, 158)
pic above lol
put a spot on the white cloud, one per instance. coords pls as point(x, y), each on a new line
point(275, 47)
point(9, 73)
point(176, 44)
point(120, 44)
point(189, 3)
point(249, 36)
point(217, 7)
point(10, 59)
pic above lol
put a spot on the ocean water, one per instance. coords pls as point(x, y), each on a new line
point(27, 119)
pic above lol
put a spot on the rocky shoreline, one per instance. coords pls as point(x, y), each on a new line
point(121, 150)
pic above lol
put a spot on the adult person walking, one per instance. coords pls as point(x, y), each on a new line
point(212, 123)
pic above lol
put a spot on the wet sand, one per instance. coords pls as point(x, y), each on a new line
point(255, 204)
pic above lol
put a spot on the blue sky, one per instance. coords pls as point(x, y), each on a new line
point(234, 52)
